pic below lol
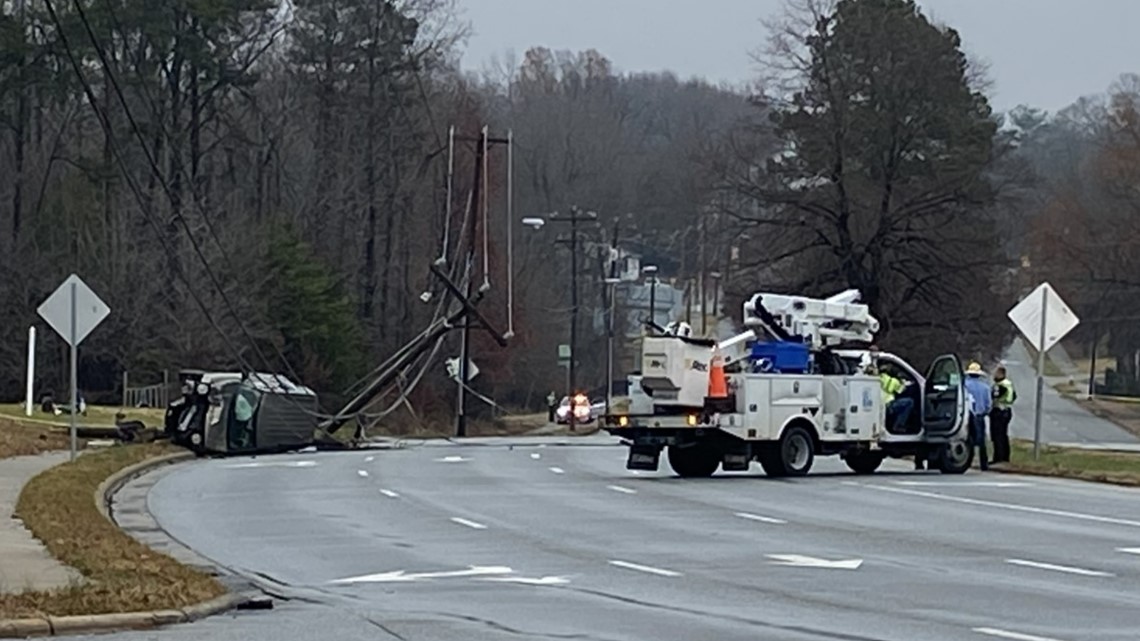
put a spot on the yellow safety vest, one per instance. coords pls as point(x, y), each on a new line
point(891, 386)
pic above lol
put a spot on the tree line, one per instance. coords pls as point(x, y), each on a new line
point(248, 185)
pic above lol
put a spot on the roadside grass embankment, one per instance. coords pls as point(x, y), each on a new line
point(1118, 468)
point(119, 574)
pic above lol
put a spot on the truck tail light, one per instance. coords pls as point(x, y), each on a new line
point(692, 420)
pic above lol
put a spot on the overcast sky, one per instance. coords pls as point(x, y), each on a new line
point(1046, 53)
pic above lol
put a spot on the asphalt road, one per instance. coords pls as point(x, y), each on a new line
point(1063, 421)
point(541, 540)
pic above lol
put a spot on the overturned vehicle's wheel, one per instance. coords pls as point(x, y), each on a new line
point(955, 457)
point(693, 460)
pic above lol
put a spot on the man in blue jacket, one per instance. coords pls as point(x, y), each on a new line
point(980, 397)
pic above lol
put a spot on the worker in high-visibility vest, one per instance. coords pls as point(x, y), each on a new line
point(1001, 414)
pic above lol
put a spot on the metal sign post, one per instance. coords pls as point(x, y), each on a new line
point(73, 310)
point(1044, 319)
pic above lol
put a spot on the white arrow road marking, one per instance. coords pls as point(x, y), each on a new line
point(390, 494)
point(1057, 568)
point(623, 490)
point(452, 459)
point(273, 464)
point(361, 473)
point(965, 483)
point(557, 470)
point(535, 455)
point(1005, 506)
point(1129, 550)
point(644, 568)
point(1015, 636)
point(800, 561)
point(762, 519)
point(470, 524)
point(546, 580)
point(400, 575)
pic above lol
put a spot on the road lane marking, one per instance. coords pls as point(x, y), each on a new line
point(1015, 636)
point(1057, 568)
point(965, 483)
point(623, 490)
point(1129, 550)
point(452, 459)
point(1006, 506)
point(545, 580)
point(272, 464)
point(800, 561)
point(369, 459)
point(762, 519)
point(557, 470)
point(535, 455)
point(390, 494)
point(471, 524)
point(361, 473)
point(644, 568)
point(401, 575)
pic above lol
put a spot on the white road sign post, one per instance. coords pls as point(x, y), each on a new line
point(73, 310)
point(1044, 319)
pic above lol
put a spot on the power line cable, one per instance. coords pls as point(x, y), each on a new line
point(175, 202)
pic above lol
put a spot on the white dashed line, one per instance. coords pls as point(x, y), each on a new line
point(762, 519)
point(644, 568)
point(452, 459)
point(361, 473)
point(369, 459)
point(535, 455)
point(623, 490)
point(1006, 506)
point(390, 494)
point(1129, 550)
point(1056, 568)
point(1015, 636)
point(557, 470)
point(471, 524)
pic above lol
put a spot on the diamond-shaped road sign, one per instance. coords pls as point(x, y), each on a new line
point(1059, 319)
point(90, 310)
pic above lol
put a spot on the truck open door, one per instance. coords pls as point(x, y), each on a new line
point(944, 397)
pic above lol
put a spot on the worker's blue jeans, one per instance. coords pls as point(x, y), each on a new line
point(898, 413)
point(978, 438)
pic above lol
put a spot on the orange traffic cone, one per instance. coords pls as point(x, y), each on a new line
point(718, 386)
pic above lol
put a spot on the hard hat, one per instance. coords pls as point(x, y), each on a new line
point(974, 369)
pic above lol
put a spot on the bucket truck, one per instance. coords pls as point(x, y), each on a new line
point(799, 382)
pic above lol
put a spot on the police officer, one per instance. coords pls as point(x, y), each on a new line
point(1001, 414)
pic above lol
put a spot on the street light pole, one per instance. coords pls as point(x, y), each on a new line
point(651, 271)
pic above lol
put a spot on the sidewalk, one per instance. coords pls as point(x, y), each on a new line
point(24, 563)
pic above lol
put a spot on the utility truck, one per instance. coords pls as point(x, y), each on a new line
point(801, 381)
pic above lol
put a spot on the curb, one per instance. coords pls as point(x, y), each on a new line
point(93, 623)
point(97, 623)
point(116, 481)
point(1068, 477)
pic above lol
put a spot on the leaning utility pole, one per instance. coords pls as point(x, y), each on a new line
point(478, 207)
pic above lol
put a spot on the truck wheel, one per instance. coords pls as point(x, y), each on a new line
point(955, 457)
point(695, 461)
point(793, 455)
point(864, 462)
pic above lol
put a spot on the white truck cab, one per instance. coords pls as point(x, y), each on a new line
point(790, 399)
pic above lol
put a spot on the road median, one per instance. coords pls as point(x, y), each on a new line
point(125, 584)
point(1117, 468)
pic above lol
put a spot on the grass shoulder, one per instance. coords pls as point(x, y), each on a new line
point(1119, 468)
point(119, 573)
